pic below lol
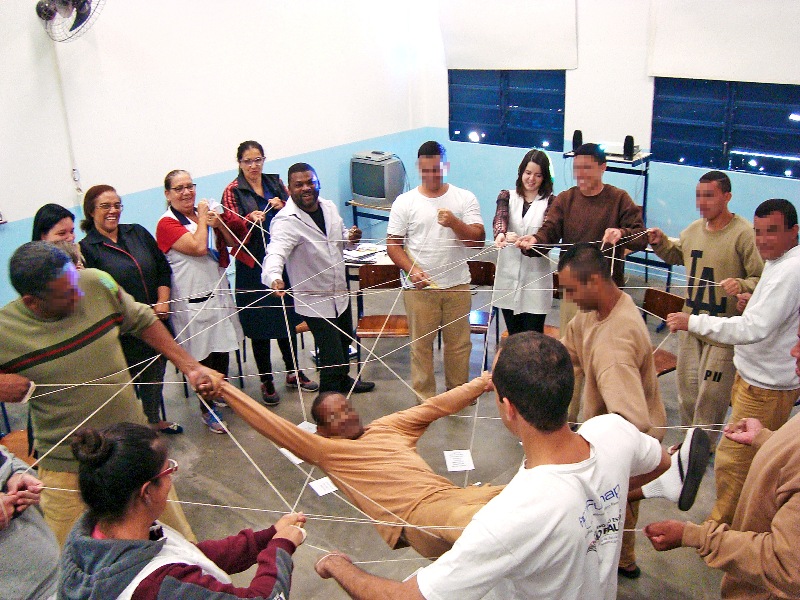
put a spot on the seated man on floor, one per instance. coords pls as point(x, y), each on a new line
point(555, 531)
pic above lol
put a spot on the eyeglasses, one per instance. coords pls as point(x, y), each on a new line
point(182, 188)
point(109, 206)
point(252, 161)
point(172, 468)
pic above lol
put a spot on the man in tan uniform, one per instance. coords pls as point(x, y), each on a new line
point(609, 344)
point(721, 259)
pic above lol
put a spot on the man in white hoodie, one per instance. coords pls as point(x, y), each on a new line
point(766, 385)
point(308, 237)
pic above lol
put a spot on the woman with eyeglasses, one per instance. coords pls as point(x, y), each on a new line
point(203, 314)
point(129, 253)
point(119, 549)
point(251, 201)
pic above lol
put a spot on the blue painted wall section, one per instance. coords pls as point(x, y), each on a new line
point(484, 170)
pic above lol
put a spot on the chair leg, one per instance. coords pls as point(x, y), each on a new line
point(163, 409)
point(6, 422)
point(239, 364)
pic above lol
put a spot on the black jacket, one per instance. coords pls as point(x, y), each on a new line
point(135, 262)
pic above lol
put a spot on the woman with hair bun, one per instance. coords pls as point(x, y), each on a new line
point(118, 549)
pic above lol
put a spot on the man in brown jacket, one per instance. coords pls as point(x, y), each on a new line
point(758, 550)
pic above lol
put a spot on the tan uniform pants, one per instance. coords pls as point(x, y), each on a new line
point(427, 311)
point(772, 408)
point(63, 507)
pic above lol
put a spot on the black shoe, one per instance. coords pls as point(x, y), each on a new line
point(362, 387)
point(629, 573)
point(269, 395)
point(693, 456)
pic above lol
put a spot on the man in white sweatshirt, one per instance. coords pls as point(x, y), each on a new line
point(766, 385)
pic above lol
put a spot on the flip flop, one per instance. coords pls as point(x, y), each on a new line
point(693, 456)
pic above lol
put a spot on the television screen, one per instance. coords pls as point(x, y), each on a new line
point(376, 182)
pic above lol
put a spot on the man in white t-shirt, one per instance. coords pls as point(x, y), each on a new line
point(430, 230)
point(555, 531)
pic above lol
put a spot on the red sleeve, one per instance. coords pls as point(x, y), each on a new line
point(235, 221)
point(237, 553)
point(168, 231)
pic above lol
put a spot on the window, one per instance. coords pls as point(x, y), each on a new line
point(508, 108)
point(740, 126)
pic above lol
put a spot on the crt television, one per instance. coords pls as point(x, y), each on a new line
point(376, 177)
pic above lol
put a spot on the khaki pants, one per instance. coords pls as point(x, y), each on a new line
point(627, 557)
point(63, 507)
point(566, 312)
point(451, 509)
point(705, 377)
point(772, 408)
point(427, 311)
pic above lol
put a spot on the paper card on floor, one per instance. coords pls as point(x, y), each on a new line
point(292, 458)
point(309, 427)
point(323, 486)
point(459, 460)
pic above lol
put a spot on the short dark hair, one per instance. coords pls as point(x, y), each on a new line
point(593, 150)
point(432, 148)
point(315, 407)
point(720, 178)
point(534, 372)
point(48, 217)
point(171, 175)
point(34, 265)
point(245, 146)
point(540, 158)
point(114, 463)
point(89, 202)
point(300, 167)
point(779, 205)
point(584, 260)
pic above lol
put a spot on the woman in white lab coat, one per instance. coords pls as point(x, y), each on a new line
point(523, 285)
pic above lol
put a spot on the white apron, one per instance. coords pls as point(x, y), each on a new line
point(176, 550)
point(209, 322)
point(516, 271)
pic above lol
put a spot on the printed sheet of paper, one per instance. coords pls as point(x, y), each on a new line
point(459, 460)
point(309, 427)
point(292, 458)
point(323, 486)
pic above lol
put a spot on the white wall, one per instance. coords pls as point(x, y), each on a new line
point(35, 165)
point(610, 95)
point(180, 84)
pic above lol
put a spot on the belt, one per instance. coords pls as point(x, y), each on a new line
point(200, 299)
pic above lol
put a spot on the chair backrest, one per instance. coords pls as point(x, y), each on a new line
point(661, 303)
point(378, 277)
point(481, 272)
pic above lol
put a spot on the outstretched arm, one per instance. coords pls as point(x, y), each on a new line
point(311, 448)
point(360, 585)
point(415, 420)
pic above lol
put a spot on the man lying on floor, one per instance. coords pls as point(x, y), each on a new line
point(555, 531)
point(379, 470)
